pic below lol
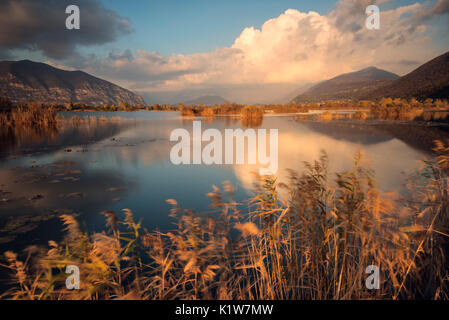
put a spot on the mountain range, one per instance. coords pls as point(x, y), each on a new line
point(431, 80)
point(347, 86)
point(25, 81)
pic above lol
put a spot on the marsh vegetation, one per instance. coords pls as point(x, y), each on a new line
point(309, 235)
point(308, 238)
point(384, 109)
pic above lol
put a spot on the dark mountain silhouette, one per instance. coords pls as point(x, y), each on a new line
point(431, 80)
point(348, 86)
point(206, 100)
point(26, 81)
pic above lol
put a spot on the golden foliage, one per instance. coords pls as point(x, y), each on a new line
point(313, 242)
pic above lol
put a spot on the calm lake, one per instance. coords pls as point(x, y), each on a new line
point(110, 164)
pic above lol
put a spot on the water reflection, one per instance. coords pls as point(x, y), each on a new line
point(29, 140)
point(116, 164)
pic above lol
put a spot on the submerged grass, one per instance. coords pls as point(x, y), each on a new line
point(310, 238)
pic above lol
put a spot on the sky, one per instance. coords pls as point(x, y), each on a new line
point(247, 51)
point(179, 26)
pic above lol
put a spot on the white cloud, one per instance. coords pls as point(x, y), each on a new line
point(294, 48)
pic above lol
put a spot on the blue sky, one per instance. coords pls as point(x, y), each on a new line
point(191, 26)
point(169, 28)
point(244, 50)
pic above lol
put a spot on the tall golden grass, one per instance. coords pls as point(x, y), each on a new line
point(33, 114)
point(201, 110)
point(245, 111)
point(309, 238)
point(384, 109)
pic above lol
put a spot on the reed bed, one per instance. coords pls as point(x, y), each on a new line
point(399, 113)
point(250, 115)
point(384, 109)
point(287, 108)
point(360, 115)
point(39, 116)
point(437, 116)
point(90, 120)
point(201, 110)
point(309, 238)
point(252, 112)
point(326, 116)
point(34, 114)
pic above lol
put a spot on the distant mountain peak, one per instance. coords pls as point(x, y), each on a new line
point(370, 73)
point(346, 86)
point(25, 81)
point(430, 80)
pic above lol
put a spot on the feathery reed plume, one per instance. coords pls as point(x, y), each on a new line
point(308, 238)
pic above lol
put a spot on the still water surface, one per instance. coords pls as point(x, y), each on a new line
point(115, 164)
